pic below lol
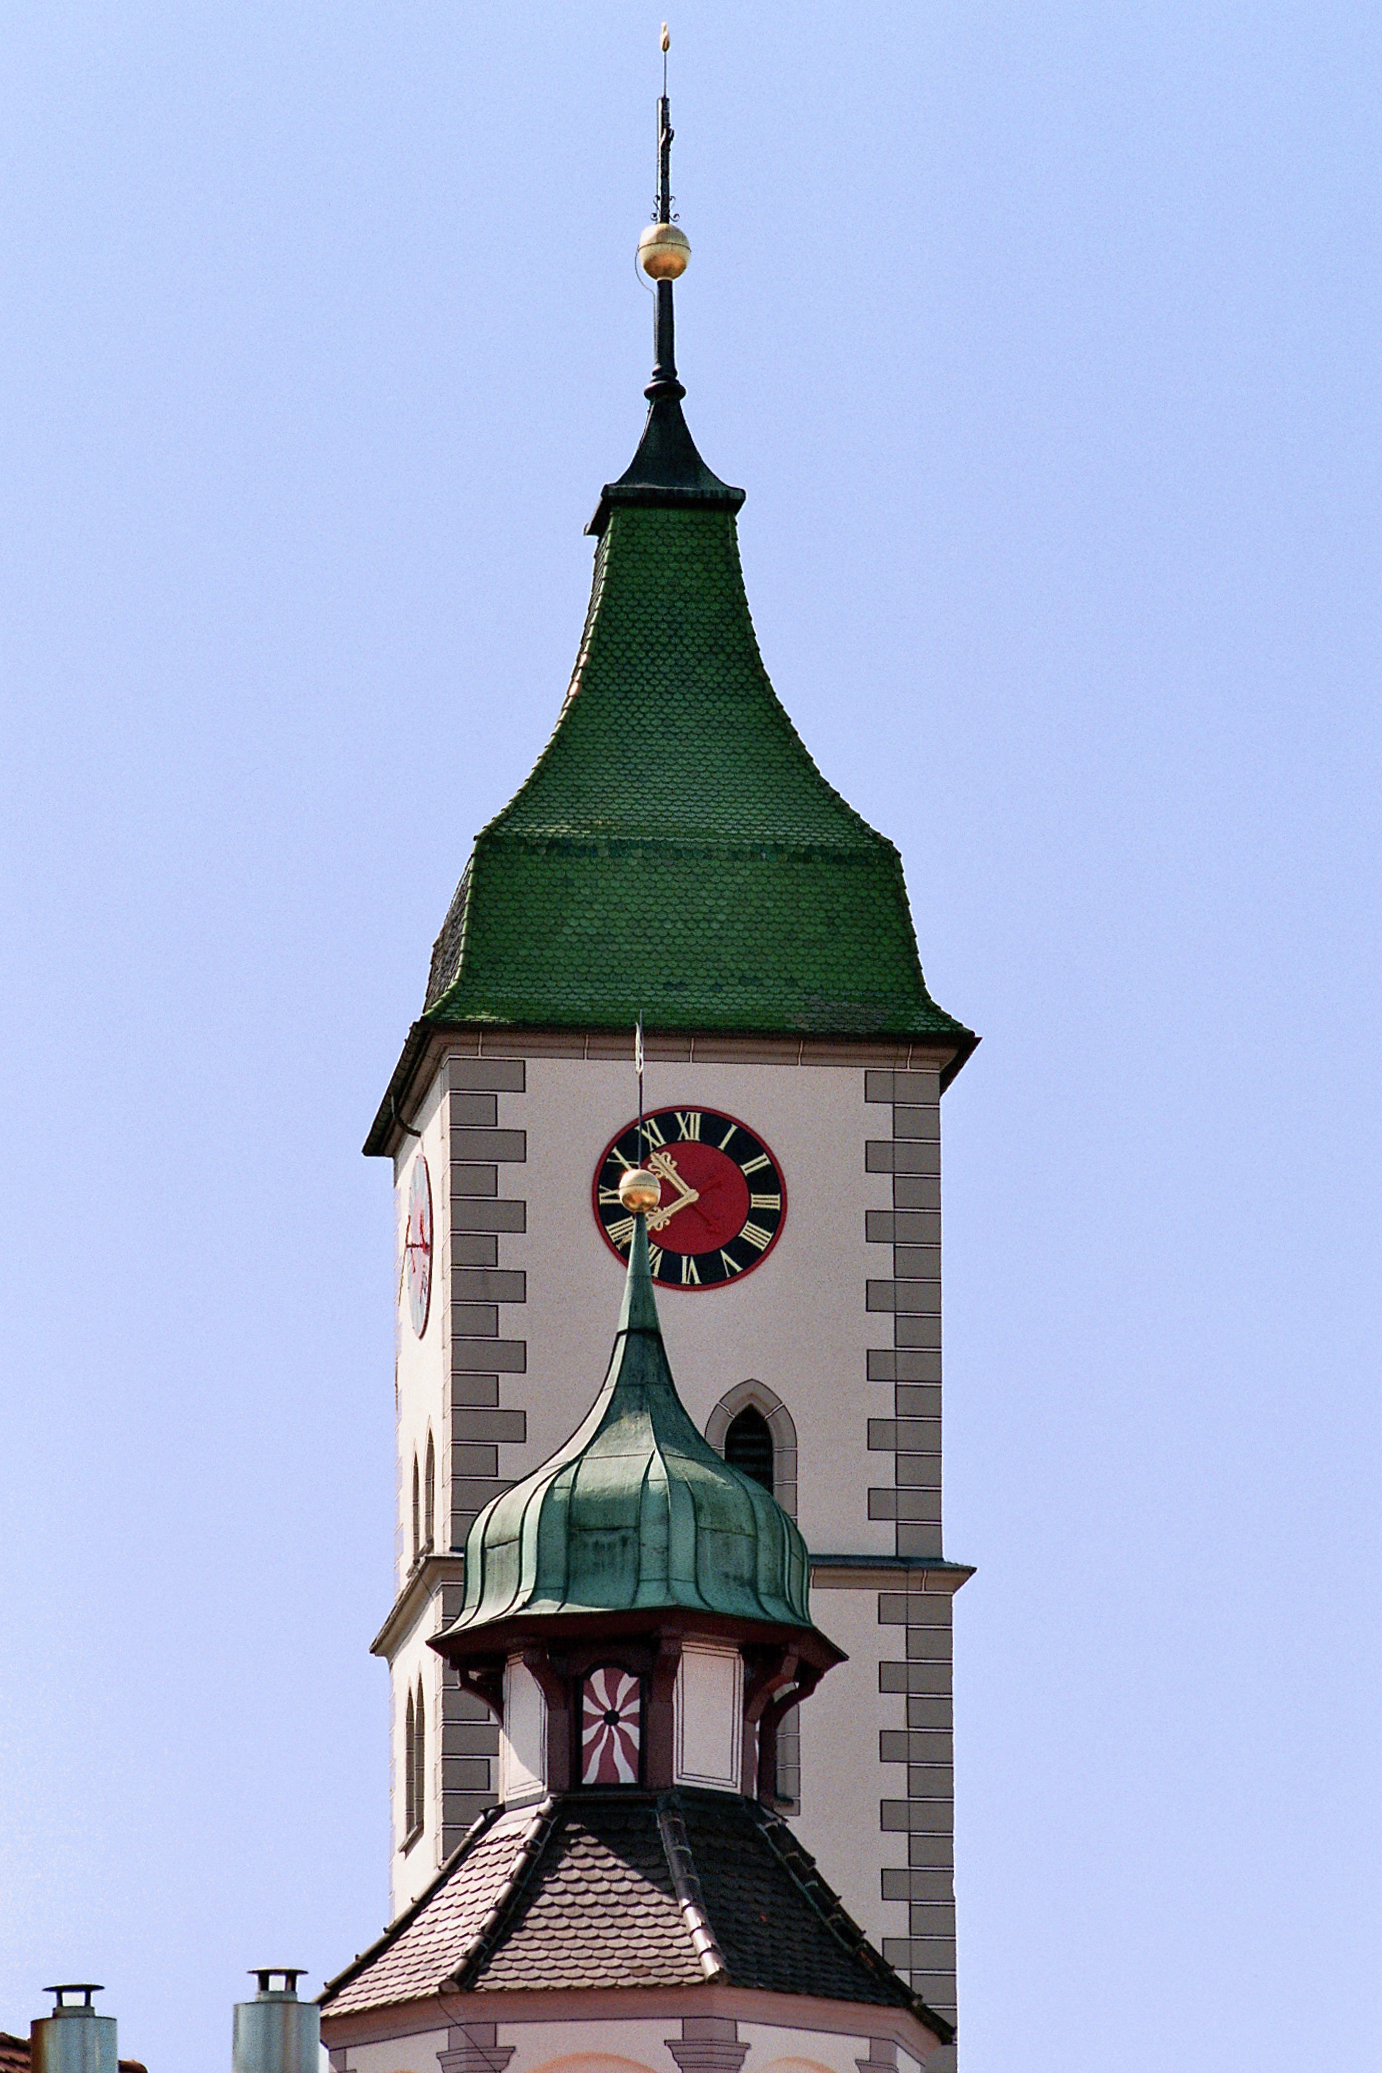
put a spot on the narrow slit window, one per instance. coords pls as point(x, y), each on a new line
point(417, 1510)
point(409, 1769)
point(429, 1497)
point(419, 1761)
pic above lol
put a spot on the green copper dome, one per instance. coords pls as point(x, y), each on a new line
point(636, 1512)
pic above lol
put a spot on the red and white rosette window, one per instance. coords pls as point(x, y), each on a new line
point(611, 1724)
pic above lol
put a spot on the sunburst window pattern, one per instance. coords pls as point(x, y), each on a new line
point(611, 1726)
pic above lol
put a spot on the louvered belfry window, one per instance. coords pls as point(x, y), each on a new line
point(611, 1727)
point(749, 1446)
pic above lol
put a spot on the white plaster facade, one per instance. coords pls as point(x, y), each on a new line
point(876, 1794)
point(608, 2043)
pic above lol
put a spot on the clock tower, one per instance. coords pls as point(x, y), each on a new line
point(676, 863)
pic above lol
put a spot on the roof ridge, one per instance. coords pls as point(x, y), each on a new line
point(836, 1918)
point(483, 1821)
point(540, 1828)
point(686, 1884)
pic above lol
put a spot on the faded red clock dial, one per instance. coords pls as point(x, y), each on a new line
point(722, 1203)
point(417, 1245)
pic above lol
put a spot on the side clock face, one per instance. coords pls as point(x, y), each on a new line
point(723, 1199)
point(417, 1245)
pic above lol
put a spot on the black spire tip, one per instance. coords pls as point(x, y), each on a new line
point(666, 468)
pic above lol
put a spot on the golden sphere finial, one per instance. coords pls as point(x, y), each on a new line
point(640, 1190)
point(663, 251)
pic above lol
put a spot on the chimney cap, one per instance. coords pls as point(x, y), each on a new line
point(82, 1986)
point(289, 1974)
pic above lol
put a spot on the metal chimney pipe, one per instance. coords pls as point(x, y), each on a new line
point(275, 2033)
point(73, 2039)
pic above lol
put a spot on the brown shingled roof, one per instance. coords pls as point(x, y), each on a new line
point(626, 1889)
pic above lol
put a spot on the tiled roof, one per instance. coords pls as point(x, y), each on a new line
point(600, 1910)
point(675, 851)
point(627, 1889)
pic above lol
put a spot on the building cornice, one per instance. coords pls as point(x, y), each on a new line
point(885, 1572)
point(420, 1586)
point(828, 1573)
point(428, 1043)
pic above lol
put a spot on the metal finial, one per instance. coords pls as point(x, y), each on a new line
point(663, 251)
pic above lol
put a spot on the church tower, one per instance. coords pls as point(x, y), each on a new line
point(676, 862)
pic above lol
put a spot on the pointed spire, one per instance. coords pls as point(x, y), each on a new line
point(667, 468)
point(639, 1310)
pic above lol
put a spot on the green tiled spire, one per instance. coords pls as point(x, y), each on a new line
point(676, 852)
point(636, 1512)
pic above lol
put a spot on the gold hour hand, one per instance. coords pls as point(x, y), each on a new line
point(664, 1166)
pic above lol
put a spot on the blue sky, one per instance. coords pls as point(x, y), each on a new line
point(1044, 339)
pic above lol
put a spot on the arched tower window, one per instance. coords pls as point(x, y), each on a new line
point(778, 1472)
point(417, 1510)
point(419, 1760)
point(429, 1497)
point(736, 1429)
point(749, 1445)
point(409, 1769)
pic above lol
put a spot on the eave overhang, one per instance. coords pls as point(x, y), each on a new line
point(495, 1640)
point(428, 1041)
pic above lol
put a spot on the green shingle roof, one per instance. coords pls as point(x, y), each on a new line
point(636, 1512)
point(675, 852)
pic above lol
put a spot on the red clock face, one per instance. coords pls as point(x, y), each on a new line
point(417, 1245)
point(723, 1199)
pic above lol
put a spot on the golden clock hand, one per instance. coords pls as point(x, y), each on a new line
point(665, 1165)
point(660, 1217)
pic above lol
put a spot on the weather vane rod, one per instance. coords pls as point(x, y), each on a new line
point(665, 134)
point(638, 1067)
point(663, 251)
